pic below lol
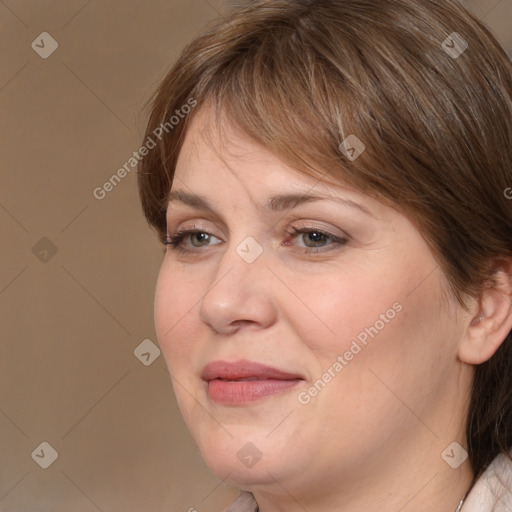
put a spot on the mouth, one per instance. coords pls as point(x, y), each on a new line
point(243, 382)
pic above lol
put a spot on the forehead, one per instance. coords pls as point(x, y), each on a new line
point(213, 153)
point(220, 160)
point(221, 144)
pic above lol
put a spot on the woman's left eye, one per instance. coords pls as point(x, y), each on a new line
point(315, 236)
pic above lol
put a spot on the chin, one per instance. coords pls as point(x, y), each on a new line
point(244, 477)
point(244, 462)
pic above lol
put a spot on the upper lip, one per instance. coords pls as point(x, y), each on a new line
point(244, 369)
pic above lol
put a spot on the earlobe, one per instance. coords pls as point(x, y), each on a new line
point(476, 321)
point(491, 321)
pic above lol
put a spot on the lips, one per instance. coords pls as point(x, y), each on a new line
point(244, 382)
point(245, 370)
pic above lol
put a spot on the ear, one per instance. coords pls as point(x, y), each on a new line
point(490, 321)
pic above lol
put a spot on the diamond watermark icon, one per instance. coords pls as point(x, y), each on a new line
point(249, 249)
point(45, 455)
point(44, 45)
point(146, 352)
point(249, 455)
point(454, 455)
point(352, 147)
point(44, 250)
point(454, 45)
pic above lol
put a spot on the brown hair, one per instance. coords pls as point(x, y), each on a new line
point(300, 76)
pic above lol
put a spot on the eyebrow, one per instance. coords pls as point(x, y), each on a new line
point(275, 203)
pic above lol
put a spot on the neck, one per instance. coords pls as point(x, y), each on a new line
point(409, 488)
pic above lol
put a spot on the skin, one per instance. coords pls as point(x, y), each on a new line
point(372, 439)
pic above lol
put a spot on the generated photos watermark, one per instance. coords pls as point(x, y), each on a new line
point(150, 143)
point(357, 345)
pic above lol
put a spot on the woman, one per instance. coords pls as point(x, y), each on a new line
point(332, 183)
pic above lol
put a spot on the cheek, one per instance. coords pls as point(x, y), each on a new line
point(175, 301)
point(403, 343)
point(391, 326)
point(395, 348)
point(342, 308)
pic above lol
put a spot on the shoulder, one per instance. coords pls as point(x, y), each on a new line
point(244, 502)
point(492, 492)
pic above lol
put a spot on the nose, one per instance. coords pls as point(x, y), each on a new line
point(240, 291)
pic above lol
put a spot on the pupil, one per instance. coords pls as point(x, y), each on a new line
point(316, 236)
point(199, 235)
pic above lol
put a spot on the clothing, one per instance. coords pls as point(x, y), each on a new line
point(245, 502)
point(492, 492)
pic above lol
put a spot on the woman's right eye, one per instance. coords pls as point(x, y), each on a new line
point(175, 240)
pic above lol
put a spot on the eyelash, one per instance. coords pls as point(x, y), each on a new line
point(174, 241)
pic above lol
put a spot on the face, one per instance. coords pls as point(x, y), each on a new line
point(351, 307)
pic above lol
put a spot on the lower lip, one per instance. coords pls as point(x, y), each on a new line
point(246, 391)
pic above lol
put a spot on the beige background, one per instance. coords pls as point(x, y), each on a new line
point(71, 321)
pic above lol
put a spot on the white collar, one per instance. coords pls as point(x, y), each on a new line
point(492, 492)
